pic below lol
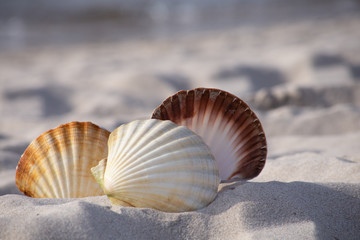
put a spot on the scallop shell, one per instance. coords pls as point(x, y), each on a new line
point(57, 164)
point(227, 125)
point(158, 164)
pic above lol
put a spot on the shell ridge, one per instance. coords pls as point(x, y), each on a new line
point(242, 122)
point(48, 165)
point(202, 110)
point(195, 121)
point(74, 153)
point(82, 157)
point(94, 141)
point(162, 173)
point(253, 142)
point(189, 101)
point(143, 180)
point(26, 163)
point(54, 147)
point(243, 140)
point(71, 156)
point(219, 116)
point(176, 108)
point(124, 142)
point(119, 141)
point(25, 186)
point(246, 135)
point(259, 166)
point(243, 145)
point(214, 121)
point(143, 138)
point(50, 175)
point(157, 158)
point(167, 140)
point(253, 157)
point(164, 114)
point(137, 139)
point(242, 130)
point(229, 162)
point(145, 167)
point(91, 140)
point(99, 140)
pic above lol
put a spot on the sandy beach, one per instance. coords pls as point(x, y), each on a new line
point(302, 79)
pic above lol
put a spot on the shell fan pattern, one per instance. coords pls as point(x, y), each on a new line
point(57, 163)
point(227, 125)
point(173, 162)
point(160, 165)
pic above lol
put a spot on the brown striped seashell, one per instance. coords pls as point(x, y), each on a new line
point(57, 163)
point(227, 125)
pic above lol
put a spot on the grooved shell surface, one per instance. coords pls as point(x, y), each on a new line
point(227, 125)
point(158, 164)
point(57, 164)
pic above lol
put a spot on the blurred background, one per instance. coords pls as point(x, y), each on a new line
point(39, 22)
point(297, 63)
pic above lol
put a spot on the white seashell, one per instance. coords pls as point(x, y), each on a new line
point(158, 164)
point(57, 164)
point(227, 125)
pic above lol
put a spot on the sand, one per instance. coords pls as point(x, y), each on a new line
point(302, 80)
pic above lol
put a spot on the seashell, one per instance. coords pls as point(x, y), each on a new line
point(227, 125)
point(160, 165)
point(57, 163)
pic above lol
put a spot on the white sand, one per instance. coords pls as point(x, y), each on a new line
point(310, 109)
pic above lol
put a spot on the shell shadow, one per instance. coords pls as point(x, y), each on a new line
point(3, 136)
point(260, 77)
point(355, 71)
point(8, 161)
point(176, 81)
point(291, 153)
point(323, 60)
point(53, 98)
point(277, 203)
point(10, 189)
point(18, 148)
